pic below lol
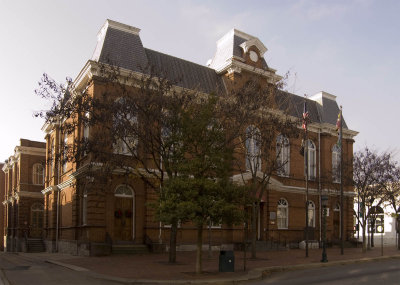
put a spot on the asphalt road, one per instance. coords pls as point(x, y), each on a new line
point(376, 272)
point(16, 270)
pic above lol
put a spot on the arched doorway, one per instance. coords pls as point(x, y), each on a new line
point(124, 213)
point(36, 220)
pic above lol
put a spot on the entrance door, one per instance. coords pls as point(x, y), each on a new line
point(124, 214)
point(36, 226)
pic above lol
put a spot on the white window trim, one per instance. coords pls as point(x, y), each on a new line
point(132, 196)
point(283, 149)
point(313, 212)
point(335, 168)
point(36, 176)
point(287, 214)
point(253, 160)
point(312, 171)
point(65, 146)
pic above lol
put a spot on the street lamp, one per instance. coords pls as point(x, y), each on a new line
point(324, 202)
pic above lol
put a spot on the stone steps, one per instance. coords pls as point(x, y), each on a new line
point(35, 245)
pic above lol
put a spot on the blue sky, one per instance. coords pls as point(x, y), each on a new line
point(347, 48)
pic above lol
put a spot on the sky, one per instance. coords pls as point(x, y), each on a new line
point(347, 48)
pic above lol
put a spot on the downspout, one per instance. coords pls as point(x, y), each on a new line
point(58, 190)
point(319, 184)
point(58, 218)
point(160, 224)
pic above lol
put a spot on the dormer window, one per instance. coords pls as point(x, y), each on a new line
point(253, 56)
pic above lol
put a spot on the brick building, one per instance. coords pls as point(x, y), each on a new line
point(2, 195)
point(23, 201)
point(86, 222)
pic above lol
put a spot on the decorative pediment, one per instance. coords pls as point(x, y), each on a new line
point(254, 42)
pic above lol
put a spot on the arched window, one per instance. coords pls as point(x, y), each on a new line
point(124, 191)
point(311, 214)
point(283, 155)
point(312, 158)
point(336, 164)
point(125, 128)
point(38, 174)
point(253, 149)
point(283, 214)
point(86, 126)
point(65, 153)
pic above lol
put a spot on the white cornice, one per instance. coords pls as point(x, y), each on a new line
point(279, 186)
point(234, 69)
point(49, 189)
point(27, 194)
point(66, 183)
point(331, 130)
point(318, 97)
point(121, 27)
point(30, 150)
point(6, 167)
point(233, 64)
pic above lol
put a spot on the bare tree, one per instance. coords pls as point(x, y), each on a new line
point(263, 135)
point(371, 170)
point(392, 197)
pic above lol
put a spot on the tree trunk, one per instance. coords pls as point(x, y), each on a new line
point(372, 239)
point(199, 248)
point(364, 243)
point(372, 231)
point(245, 246)
point(254, 229)
point(172, 243)
point(398, 241)
point(369, 241)
point(398, 231)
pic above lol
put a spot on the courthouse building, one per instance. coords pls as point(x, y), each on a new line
point(85, 222)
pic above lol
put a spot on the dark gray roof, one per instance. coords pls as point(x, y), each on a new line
point(237, 41)
point(124, 50)
point(329, 111)
point(294, 105)
point(184, 73)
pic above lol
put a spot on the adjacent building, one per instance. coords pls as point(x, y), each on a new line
point(2, 197)
point(23, 200)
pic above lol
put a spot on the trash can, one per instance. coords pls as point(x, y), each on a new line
point(226, 261)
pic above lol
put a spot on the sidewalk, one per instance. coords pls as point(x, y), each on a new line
point(153, 268)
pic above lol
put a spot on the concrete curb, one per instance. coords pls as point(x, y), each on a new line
point(269, 270)
point(252, 275)
point(70, 266)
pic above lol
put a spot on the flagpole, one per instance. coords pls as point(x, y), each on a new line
point(305, 118)
point(341, 184)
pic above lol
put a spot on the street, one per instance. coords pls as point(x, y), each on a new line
point(16, 269)
point(375, 272)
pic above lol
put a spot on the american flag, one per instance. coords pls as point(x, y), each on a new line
point(305, 116)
